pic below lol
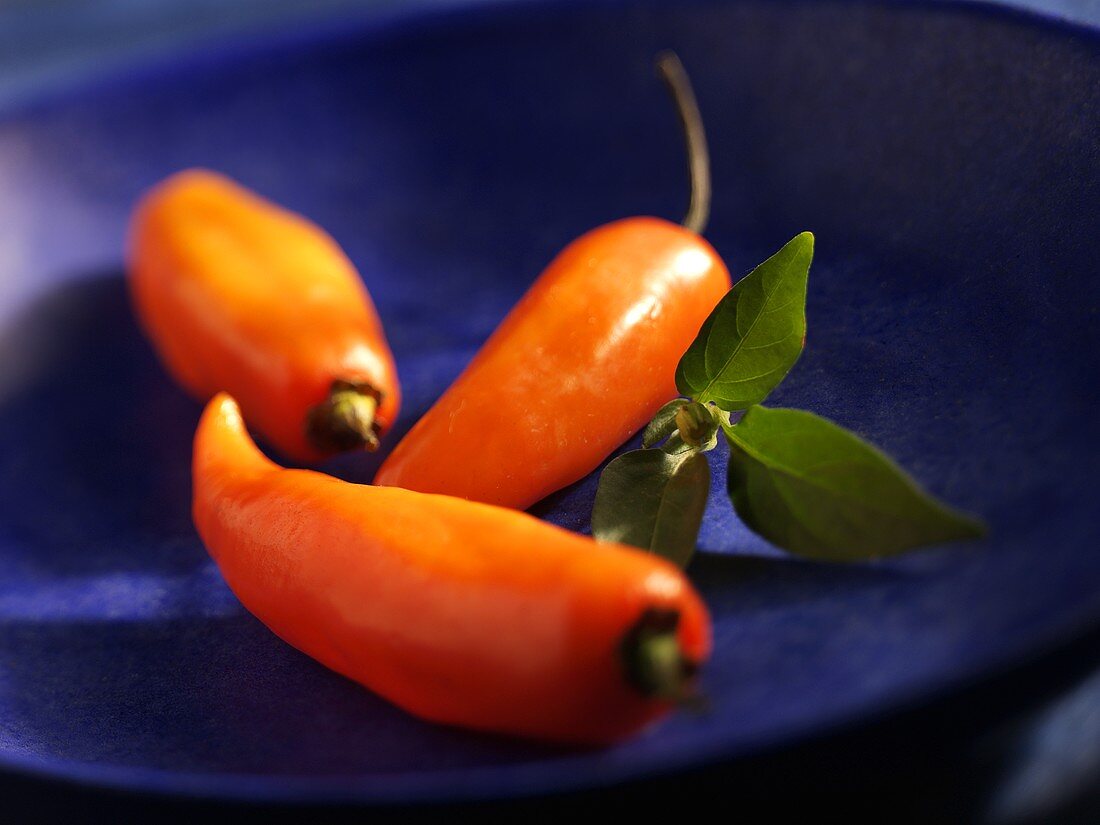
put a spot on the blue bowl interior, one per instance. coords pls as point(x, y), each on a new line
point(947, 160)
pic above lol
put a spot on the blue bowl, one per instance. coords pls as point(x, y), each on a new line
point(948, 159)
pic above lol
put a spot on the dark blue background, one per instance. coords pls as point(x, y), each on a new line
point(947, 159)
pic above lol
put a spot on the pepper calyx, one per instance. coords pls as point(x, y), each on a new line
point(654, 661)
point(345, 420)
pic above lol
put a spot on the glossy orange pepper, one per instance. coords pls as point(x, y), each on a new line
point(458, 612)
point(240, 295)
point(583, 361)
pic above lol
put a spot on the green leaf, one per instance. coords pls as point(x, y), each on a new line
point(663, 424)
point(753, 337)
point(818, 490)
point(653, 500)
point(676, 445)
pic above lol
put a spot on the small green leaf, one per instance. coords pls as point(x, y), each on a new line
point(653, 500)
point(663, 424)
point(818, 490)
point(753, 337)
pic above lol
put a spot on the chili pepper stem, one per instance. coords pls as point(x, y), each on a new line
point(672, 72)
point(345, 420)
point(655, 662)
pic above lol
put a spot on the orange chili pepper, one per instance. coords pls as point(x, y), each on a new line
point(582, 362)
point(240, 295)
point(459, 612)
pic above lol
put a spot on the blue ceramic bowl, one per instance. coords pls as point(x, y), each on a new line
point(948, 159)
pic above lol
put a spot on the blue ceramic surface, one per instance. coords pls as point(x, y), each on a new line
point(948, 159)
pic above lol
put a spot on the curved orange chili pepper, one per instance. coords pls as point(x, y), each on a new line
point(582, 362)
point(458, 612)
point(240, 295)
